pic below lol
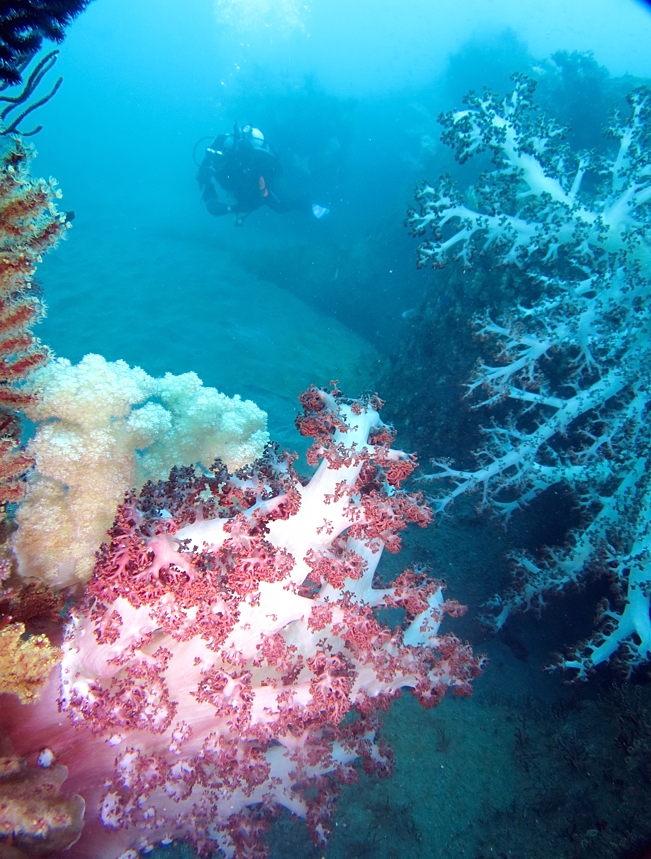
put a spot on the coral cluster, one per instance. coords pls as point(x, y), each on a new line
point(228, 658)
point(30, 618)
point(574, 367)
point(24, 663)
point(105, 428)
point(34, 820)
point(40, 820)
point(30, 225)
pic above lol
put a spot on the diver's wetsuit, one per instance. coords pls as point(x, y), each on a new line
point(246, 172)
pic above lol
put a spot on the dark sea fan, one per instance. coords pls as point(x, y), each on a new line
point(23, 26)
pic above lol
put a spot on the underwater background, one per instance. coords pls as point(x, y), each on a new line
point(348, 94)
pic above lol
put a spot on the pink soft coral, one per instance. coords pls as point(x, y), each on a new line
point(228, 632)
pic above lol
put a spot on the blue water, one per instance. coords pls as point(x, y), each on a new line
point(348, 94)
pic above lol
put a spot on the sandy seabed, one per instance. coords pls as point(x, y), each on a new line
point(173, 299)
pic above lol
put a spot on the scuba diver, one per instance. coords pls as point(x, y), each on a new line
point(244, 165)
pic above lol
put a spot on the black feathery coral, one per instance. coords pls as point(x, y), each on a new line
point(23, 26)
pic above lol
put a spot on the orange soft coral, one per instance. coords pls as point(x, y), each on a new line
point(30, 225)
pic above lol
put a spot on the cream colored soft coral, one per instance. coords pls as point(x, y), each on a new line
point(105, 427)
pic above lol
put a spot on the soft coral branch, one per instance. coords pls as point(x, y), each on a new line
point(533, 206)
